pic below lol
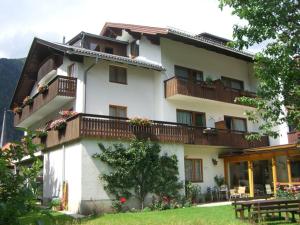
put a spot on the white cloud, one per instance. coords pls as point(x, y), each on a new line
point(21, 20)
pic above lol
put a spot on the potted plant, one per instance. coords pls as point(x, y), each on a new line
point(56, 204)
point(67, 113)
point(27, 100)
point(209, 81)
point(17, 110)
point(136, 121)
point(59, 124)
point(42, 88)
point(41, 133)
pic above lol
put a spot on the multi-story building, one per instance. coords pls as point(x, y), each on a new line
point(186, 84)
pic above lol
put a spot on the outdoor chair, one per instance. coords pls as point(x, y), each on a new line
point(268, 189)
point(223, 192)
point(242, 192)
point(234, 193)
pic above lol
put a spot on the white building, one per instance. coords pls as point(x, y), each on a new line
point(129, 71)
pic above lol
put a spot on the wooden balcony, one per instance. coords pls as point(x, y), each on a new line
point(49, 64)
point(294, 137)
point(60, 90)
point(176, 86)
point(105, 127)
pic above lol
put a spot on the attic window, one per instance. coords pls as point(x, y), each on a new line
point(134, 48)
point(109, 50)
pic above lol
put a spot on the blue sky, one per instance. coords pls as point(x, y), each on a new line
point(22, 20)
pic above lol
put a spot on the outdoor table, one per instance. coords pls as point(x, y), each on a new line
point(248, 204)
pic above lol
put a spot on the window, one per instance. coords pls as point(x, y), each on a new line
point(233, 83)
point(134, 48)
point(295, 169)
point(109, 50)
point(117, 111)
point(118, 74)
point(235, 123)
point(71, 70)
point(191, 118)
point(188, 74)
point(193, 170)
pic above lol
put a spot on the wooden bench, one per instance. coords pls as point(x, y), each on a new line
point(274, 206)
point(240, 207)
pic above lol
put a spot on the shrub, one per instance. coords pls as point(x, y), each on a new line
point(41, 133)
point(139, 169)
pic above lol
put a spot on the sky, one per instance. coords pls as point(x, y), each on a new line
point(22, 20)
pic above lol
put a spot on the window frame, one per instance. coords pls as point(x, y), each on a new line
point(117, 107)
point(134, 49)
point(115, 81)
point(110, 48)
point(236, 80)
point(69, 69)
point(194, 113)
point(191, 74)
point(193, 180)
point(235, 117)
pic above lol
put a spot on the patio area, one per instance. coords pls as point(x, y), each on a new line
point(256, 172)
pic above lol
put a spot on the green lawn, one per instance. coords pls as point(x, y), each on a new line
point(223, 215)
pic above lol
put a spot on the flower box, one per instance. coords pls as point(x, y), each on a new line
point(27, 101)
point(17, 110)
point(136, 121)
point(42, 89)
point(67, 113)
point(41, 133)
point(59, 124)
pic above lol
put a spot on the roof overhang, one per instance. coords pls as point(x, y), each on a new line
point(155, 33)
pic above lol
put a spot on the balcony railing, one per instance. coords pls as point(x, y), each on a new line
point(294, 137)
point(59, 86)
point(105, 127)
point(49, 64)
point(214, 91)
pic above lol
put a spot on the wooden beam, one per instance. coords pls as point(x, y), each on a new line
point(274, 172)
point(226, 171)
point(289, 171)
point(250, 177)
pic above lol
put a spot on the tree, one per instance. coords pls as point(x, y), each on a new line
point(18, 187)
point(138, 170)
point(277, 67)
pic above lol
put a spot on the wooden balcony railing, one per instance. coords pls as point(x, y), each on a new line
point(294, 137)
point(49, 64)
point(105, 127)
point(214, 91)
point(59, 86)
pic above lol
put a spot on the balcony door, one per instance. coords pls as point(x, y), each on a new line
point(191, 118)
point(191, 75)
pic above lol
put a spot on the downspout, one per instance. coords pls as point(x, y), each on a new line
point(85, 81)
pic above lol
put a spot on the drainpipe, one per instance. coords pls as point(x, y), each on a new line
point(3, 129)
point(84, 83)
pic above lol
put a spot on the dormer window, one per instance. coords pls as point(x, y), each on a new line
point(109, 50)
point(134, 48)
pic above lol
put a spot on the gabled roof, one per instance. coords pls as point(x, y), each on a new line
point(202, 41)
point(41, 49)
point(73, 50)
point(83, 34)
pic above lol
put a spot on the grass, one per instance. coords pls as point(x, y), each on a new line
point(220, 215)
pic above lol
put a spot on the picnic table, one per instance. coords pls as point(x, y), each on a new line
point(256, 208)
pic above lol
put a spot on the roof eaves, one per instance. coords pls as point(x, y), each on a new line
point(209, 42)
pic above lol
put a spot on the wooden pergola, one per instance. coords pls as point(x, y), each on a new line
point(263, 153)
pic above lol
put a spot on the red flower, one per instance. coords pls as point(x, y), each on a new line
point(123, 200)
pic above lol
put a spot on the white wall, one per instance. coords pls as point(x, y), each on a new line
point(63, 164)
point(206, 153)
point(92, 187)
point(137, 95)
point(212, 64)
point(149, 50)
